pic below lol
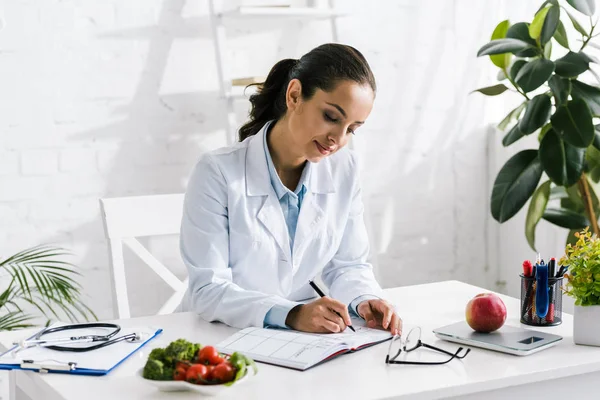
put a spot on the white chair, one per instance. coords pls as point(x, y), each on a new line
point(126, 218)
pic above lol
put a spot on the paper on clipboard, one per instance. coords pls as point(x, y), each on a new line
point(100, 361)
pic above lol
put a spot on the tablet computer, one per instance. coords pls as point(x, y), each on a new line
point(508, 339)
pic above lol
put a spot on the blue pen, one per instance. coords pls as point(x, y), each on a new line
point(541, 295)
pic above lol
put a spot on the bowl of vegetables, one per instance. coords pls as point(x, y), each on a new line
point(183, 365)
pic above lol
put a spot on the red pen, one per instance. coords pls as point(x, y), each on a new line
point(527, 272)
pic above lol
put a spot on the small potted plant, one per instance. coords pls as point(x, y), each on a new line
point(583, 261)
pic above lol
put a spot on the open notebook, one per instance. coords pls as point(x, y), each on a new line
point(300, 350)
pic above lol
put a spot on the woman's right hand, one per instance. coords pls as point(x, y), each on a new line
point(319, 316)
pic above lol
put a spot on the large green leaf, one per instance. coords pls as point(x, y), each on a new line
point(561, 35)
point(587, 7)
point(550, 24)
point(501, 46)
point(513, 114)
point(512, 136)
point(534, 74)
point(572, 64)
point(536, 114)
point(548, 50)
point(520, 31)
point(562, 162)
point(596, 142)
point(592, 157)
point(590, 94)
point(492, 90)
point(515, 68)
point(514, 184)
point(501, 60)
point(537, 206)
point(566, 218)
point(561, 88)
point(577, 25)
point(573, 122)
point(535, 29)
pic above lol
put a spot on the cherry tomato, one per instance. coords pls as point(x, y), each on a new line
point(183, 364)
point(196, 372)
point(180, 374)
point(209, 355)
point(223, 372)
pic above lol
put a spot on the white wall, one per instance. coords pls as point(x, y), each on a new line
point(114, 98)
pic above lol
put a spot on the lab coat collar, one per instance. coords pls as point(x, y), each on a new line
point(258, 182)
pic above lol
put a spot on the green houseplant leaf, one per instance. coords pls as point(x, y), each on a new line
point(514, 184)
point(501, 60)
point(520, 31)
point(572, 64)
point(550, 24)
point(513, 114)
point(536, 114)
point(561, 88)
point(562, 162)
point(561, 35)
point(535, 28)
point(501, 46)
point(492, 90)
point(566, 218)
point(537, 206)
point(41, 279)
point(573, 122)
point(590, 94)
point(577, 25)
point(532, 75)
point(587, 7)
point(512, 136)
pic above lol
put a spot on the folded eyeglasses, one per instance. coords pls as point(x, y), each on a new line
point(413, 342)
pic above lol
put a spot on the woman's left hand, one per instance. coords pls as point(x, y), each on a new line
point(380, 313)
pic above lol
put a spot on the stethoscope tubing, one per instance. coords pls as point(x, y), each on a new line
point(54, 344)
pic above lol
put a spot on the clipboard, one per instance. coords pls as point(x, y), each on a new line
point(94, 362)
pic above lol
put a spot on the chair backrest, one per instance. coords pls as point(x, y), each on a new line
point(125, 219)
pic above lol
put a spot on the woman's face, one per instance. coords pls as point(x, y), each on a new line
point(323, 125)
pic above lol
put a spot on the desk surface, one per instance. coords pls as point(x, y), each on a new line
point(429, 306)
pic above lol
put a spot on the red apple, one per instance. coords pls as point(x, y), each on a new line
point(486, 312)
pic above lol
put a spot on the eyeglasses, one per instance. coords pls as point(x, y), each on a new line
point(413, 342)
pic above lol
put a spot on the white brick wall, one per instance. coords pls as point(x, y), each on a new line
point(119, 98)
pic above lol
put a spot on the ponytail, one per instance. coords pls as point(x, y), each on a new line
point(268, 102)
point(321, 68)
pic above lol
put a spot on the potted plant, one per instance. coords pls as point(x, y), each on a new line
point(39, 279)
point(558, 107)
point(583, 260)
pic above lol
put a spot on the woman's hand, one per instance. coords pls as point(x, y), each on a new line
point(319, 316)
point(380, 313)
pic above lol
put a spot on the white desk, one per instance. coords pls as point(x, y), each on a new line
point(556, 373)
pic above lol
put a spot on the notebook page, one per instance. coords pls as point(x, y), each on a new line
point(363, 335)
point(282, 347)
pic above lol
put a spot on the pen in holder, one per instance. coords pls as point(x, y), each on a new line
point(529, 295)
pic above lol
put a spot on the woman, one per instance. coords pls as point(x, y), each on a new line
point(268, 214)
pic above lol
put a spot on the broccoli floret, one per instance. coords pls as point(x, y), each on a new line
point(168, 373)
point(154, 369)
point(157, 354)
point(193, 353)
point(179, 349)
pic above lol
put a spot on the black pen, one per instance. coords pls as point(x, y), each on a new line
point(320, 293)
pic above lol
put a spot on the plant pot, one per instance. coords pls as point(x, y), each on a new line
point(586, 325)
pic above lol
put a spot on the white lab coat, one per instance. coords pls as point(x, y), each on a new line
point(235, 242)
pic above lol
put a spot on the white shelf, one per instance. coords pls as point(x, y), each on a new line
point(281, 12)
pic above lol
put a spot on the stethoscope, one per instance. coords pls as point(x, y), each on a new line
point(63, 343)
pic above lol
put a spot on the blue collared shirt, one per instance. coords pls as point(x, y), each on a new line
point(290, 202)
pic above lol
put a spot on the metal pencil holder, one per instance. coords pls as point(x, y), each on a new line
point(528, 294)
